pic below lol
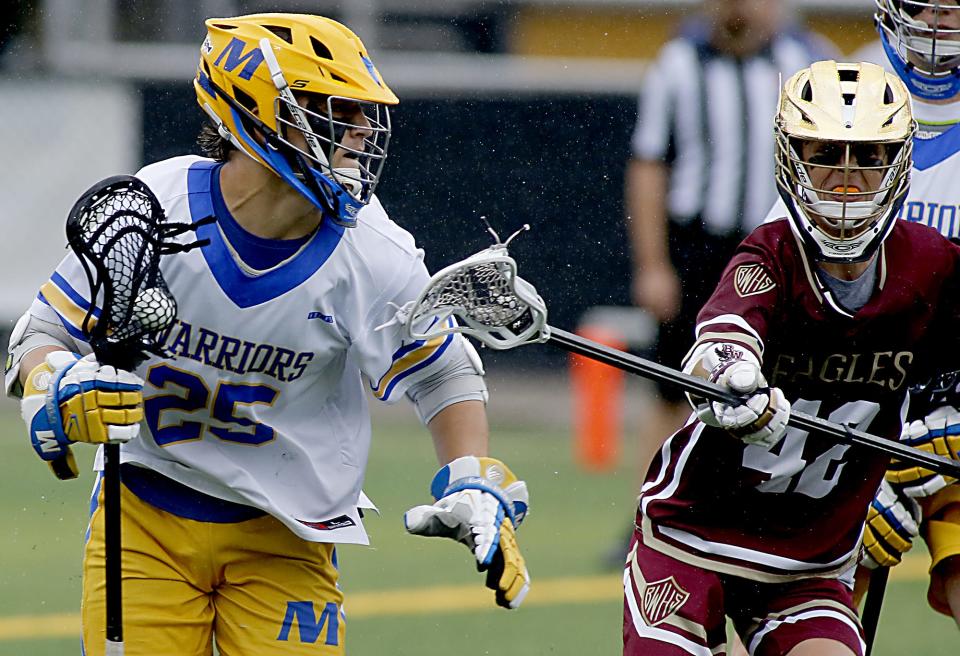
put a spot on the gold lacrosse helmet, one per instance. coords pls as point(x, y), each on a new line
point(264, 77)
point(844, 137)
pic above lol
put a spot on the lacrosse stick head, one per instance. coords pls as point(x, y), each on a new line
point(481, 296)
point(117, 231)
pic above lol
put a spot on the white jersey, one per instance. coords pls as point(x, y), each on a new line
point(934, 196)
point(264, 403)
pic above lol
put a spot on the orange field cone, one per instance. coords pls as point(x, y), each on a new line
point(597, 404)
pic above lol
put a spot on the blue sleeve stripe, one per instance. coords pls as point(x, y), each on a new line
point(72, 293)
point(72, 330)
point(406, 348)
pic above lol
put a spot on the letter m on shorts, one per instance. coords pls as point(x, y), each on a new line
point(235, 57)
point(309, 624)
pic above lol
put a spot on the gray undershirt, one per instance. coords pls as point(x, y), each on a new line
point(852, 294)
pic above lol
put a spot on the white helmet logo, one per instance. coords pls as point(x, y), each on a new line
point(843, 247)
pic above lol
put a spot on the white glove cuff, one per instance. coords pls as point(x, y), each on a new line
point(485, 474)
point(710, 354)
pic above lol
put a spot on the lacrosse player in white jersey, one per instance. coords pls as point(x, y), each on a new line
point(920, 41)
point(247, 466)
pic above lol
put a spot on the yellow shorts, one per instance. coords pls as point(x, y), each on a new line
point(252, 586)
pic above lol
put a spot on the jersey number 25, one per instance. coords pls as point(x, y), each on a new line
point(187, 393)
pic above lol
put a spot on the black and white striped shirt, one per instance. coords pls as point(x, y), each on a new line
point(709, 116)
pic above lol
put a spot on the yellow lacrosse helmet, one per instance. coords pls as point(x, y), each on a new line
point(843, 157)
point(265, 77)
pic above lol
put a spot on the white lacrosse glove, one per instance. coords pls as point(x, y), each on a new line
point(937, 433)
point(762, 418)
point(480, 503)
point(70, 399)
point(893, 521)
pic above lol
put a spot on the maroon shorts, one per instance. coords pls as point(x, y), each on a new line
point(671, 608)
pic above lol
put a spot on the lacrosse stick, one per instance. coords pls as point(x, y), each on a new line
point(490, 302)
point(118, 232)
point(871, 608)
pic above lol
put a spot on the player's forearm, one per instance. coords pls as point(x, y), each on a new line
point(32, 340)
point(460, 430)
point(646, 192)
point(35, 357)
point(951, 586)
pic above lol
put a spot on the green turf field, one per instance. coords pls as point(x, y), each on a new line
point(406, 595)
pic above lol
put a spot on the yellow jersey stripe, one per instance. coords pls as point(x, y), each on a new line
point(67, 308)
point(409, 361)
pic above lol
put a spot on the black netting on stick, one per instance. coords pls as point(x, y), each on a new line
point(118, 232)
point(120, 236)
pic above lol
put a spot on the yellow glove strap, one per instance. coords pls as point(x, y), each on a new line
point(876, 550)
point(513, 581)
point(37, 383)
point(879, 523)
point(38, 380)
point(496, 472)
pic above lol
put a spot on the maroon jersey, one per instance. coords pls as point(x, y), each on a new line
point(797, 509)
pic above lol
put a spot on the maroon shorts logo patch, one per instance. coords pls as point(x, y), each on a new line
point(661, 599)
point(751, 279)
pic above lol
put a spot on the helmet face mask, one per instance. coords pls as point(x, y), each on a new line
point(298, 94)
point(842, 187)
point(844, 136)
point(351, 138)
point(922, 41)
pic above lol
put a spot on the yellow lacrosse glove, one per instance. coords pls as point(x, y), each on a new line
point(937, 433)
point(893, 521)
point(70, 399)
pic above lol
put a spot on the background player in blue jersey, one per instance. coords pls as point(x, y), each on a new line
point(247, 467)
point(921, 41)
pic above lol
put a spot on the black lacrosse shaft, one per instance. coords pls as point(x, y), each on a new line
point(871, 609)
point(111, 531)
point(843, 434)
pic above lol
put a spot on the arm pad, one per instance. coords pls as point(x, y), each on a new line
point(29, 334)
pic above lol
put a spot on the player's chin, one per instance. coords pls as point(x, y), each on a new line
point(347, 161)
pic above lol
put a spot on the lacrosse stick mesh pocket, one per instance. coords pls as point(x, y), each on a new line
point(483, 293)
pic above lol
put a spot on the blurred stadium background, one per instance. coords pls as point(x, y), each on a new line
point(517, 110)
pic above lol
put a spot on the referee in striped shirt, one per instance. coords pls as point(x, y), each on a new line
point(701, 174)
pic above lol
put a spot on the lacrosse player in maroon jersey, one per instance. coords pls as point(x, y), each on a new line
point(839, 306)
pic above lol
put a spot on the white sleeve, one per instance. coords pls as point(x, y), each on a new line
point(55, 318)
point(460, 380)
point(65, 299)
point(391, 364)
point(655, 109)
point(29, 334)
